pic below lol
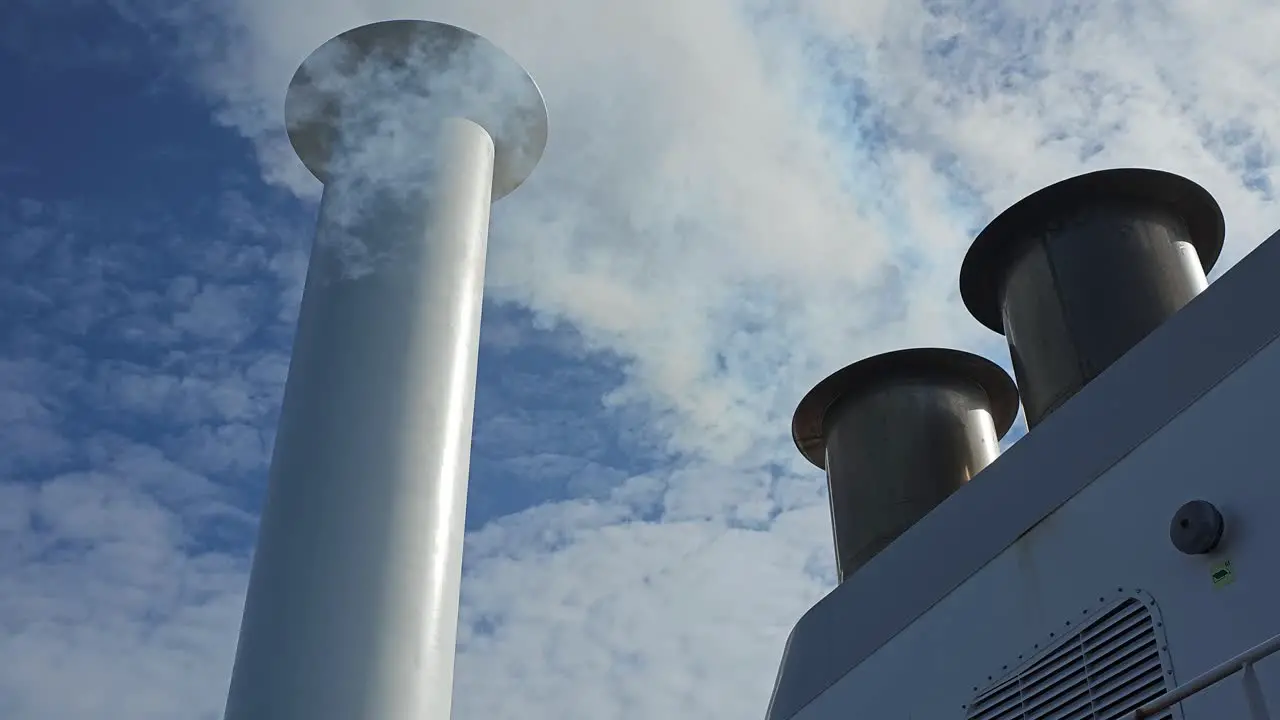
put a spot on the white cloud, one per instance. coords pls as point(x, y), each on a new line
point(218, 313)
point(736, 199)
point(103, 604)
point(113, 600)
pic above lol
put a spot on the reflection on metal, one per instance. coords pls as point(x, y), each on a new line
point(1078, 273)
point(352, 605)
point(897, 434)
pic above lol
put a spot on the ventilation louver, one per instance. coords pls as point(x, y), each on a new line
point(1106, 670)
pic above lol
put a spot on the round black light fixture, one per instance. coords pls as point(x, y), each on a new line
point(1197, 527)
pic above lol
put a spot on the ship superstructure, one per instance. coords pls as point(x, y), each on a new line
point(1120, 561)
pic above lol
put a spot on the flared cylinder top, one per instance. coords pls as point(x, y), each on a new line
point(379, 90)
point(1077, 274)
point(897, 434)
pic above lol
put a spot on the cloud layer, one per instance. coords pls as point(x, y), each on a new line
point(737, 198)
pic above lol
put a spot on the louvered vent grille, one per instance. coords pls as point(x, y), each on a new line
point(1111, 666)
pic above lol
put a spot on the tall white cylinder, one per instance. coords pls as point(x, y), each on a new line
point(352, 607)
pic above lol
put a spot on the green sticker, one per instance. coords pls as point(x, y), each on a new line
point(1223, 575)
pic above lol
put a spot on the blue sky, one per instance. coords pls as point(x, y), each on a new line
point(738, 198)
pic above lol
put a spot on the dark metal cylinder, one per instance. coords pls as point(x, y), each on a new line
point(1078, 273)
point(897, 434)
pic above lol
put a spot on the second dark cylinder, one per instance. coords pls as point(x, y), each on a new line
point(1078, 273)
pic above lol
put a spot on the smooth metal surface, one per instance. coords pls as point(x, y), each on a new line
point(386, 76)
point(1211, 338)
point(1078, 273)
point(898, 433)
point(353, 597)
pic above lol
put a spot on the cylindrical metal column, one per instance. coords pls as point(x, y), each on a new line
point(353, 603)
point(1078, 273)
point(898, 433)
point(352, 607)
